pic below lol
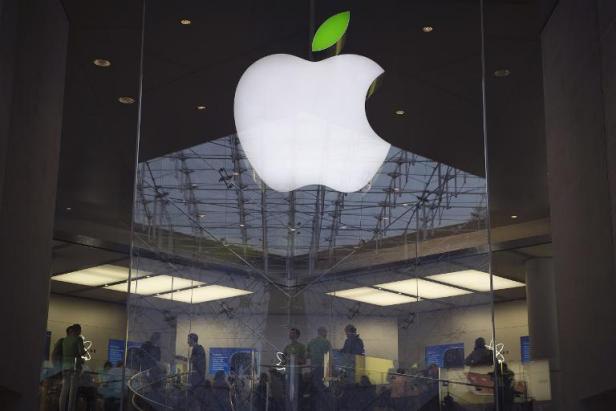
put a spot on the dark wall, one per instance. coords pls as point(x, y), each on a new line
point(579, 66)
point(33, 36)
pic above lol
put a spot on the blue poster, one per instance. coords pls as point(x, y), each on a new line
point(221, 358)
point(525, 348)
point(445, 355)
point(115, 350)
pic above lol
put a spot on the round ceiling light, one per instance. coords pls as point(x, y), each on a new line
point(502, 73)
point(400, 112)
point(185, 22)
point(200, 107)
point(513, 217)
point(102, 62)
point(427, 29)
point(126, 100)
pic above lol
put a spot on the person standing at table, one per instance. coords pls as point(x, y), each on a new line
point(196, 370)
point(353, 343)
point(72, 351)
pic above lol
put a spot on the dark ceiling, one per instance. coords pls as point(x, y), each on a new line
point(435, 77)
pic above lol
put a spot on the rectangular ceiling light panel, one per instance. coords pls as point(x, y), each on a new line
point(203, 294)
point(423, 288)
point(475, 280)
point(373, 296)
point(95, 276)
point(155, 284)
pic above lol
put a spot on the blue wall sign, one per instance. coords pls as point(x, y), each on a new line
point(115, 350)
point(435, 354)
point(220, 358)
point(525, 348)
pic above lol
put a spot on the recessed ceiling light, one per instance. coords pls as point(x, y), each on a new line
point(513, 217)
point(423, 288)
point(427, 29)
point(68, 209)
point(502, 72)
point(102, 62)
point(200, 107)
point(373, 296)
point(400, 112)
point(126, 100)
point(475, 280)
point(185, 22)
point(154, 285)
point(242, 225)
point(203, 294)
point(95, 276)
point(201, 215)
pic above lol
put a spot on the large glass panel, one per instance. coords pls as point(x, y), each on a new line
point(525, 317)
point(311, 226)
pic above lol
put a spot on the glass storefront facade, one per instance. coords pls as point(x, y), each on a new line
point(409, 293)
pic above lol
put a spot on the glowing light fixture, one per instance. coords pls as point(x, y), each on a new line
point(185, 22)
point(475, 280)
point(203, 294)
point(400, 112)
point(427, 29)
point(302, 122)
point(514, 217)
point(155, 284)
point(373, 296)
point(201, 107)
point(95, 276)
point(102, 62)
point(423, 288)
point(502, 72)
point(126, 100)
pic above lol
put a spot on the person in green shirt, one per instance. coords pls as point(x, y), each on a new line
point(318, 347)
point(72, 351)
point(295, 349)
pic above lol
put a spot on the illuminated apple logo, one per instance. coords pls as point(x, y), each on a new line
point(302, 122)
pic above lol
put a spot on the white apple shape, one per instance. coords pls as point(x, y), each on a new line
point(301, 122)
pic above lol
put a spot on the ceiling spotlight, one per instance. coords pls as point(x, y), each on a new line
point(200, 107)
point(101, 62)
point(400, 112)
point(185, 22)
point(427, 29)
point(68, 209)
point(126, 100)
point(513, 217)
point(201, 215)
point(502, 72)
point(242, 225)
point(343, 227)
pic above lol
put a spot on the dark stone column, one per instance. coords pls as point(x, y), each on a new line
point(33, 38)
point(579, 79)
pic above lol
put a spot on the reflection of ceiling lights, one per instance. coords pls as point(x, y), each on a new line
point(423, 288)
point(400, 112)
point(200, 107)
point(95, 276)
point(373, 296)
point(427, 29)
point(155, 284)
point(513, 217)
point(475, 280)
point(185, 22)
point(203, 294)
point(302, 122)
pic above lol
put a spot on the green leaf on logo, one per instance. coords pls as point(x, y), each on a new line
point(331, 31)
